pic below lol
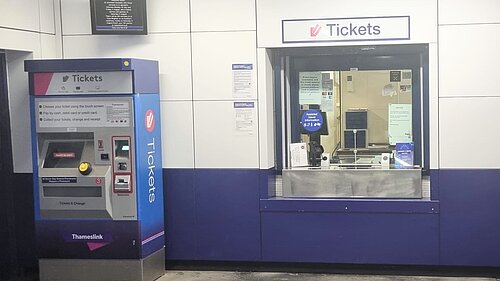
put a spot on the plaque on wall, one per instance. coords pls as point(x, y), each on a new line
point(115, 17)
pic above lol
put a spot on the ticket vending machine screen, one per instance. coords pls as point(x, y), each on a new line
point(64, 154)
point(72, 184)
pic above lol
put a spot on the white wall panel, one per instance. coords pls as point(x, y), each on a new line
point(49, 46)
point(423, 15)
point(217, 142)
point(469, 132)
point(213, 56)
point(168, 16)
point(172, 50)
point(19, 111)
point(433, 107)
point(266, 109)
point(76, 17)
point(19, 40)
point(47, 16)
point(469, 60)
point(177, 134)
point(222, 15)
point(460, 12)
point(20, 14)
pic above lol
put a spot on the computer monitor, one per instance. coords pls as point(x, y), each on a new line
point(360, 139)
point(356, 120)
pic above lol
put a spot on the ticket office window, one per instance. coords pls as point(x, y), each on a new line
point(368, 99)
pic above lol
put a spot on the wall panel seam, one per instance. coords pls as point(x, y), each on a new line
point(227, 100)
point(150, 33)
point(466, 24)
point(26, 30)
point(225, 31)
point(468, 97)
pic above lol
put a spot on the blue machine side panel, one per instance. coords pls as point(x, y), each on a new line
point(374, 238)
point(470, 212)
point(146, 78)
point(149, 172)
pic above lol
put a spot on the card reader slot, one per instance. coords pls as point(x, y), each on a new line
point(72, 191)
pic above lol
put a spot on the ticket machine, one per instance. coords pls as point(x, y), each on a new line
point(97, 169)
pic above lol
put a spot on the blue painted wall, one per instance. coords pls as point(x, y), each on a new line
point(212, 214)
point(373, 238)
point(470, 217)
point(225, 215)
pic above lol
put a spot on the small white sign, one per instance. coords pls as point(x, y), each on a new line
point(346, 29)
point(327, 102)
point(244, 118)
point(83, 114)
point(242, 80)
point(298, 154)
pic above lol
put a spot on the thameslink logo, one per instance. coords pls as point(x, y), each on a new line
point(87, 236)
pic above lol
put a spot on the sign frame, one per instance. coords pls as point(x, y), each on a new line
point(141, 29)
point(314, 31)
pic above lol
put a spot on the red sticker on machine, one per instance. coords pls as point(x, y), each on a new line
point(64, 155)
point(150, 120)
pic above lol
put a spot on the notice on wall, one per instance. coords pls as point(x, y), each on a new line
point(244, 118)
point(242, 80)
point(83, 114)
point(327, 102)
point(400, 123)
point(118, 17)
point(327, 83)
point(327, 95)
point(310, 87)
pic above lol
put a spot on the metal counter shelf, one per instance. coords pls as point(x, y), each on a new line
point(357, 181)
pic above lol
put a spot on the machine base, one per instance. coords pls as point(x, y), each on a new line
point(147, 269)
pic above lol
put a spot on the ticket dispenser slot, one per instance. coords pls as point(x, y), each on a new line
point(122, 183)
point(122, 170)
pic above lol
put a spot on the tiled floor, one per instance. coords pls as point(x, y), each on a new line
point(270, 276)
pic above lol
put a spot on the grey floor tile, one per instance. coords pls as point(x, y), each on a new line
point(270, 276)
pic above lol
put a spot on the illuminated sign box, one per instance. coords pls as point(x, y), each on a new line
point(346, 29)
point(115, 17)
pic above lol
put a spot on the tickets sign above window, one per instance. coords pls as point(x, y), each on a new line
point(346, 29)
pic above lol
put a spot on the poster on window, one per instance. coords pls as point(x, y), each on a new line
point(310, 87)
point(400, 121)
